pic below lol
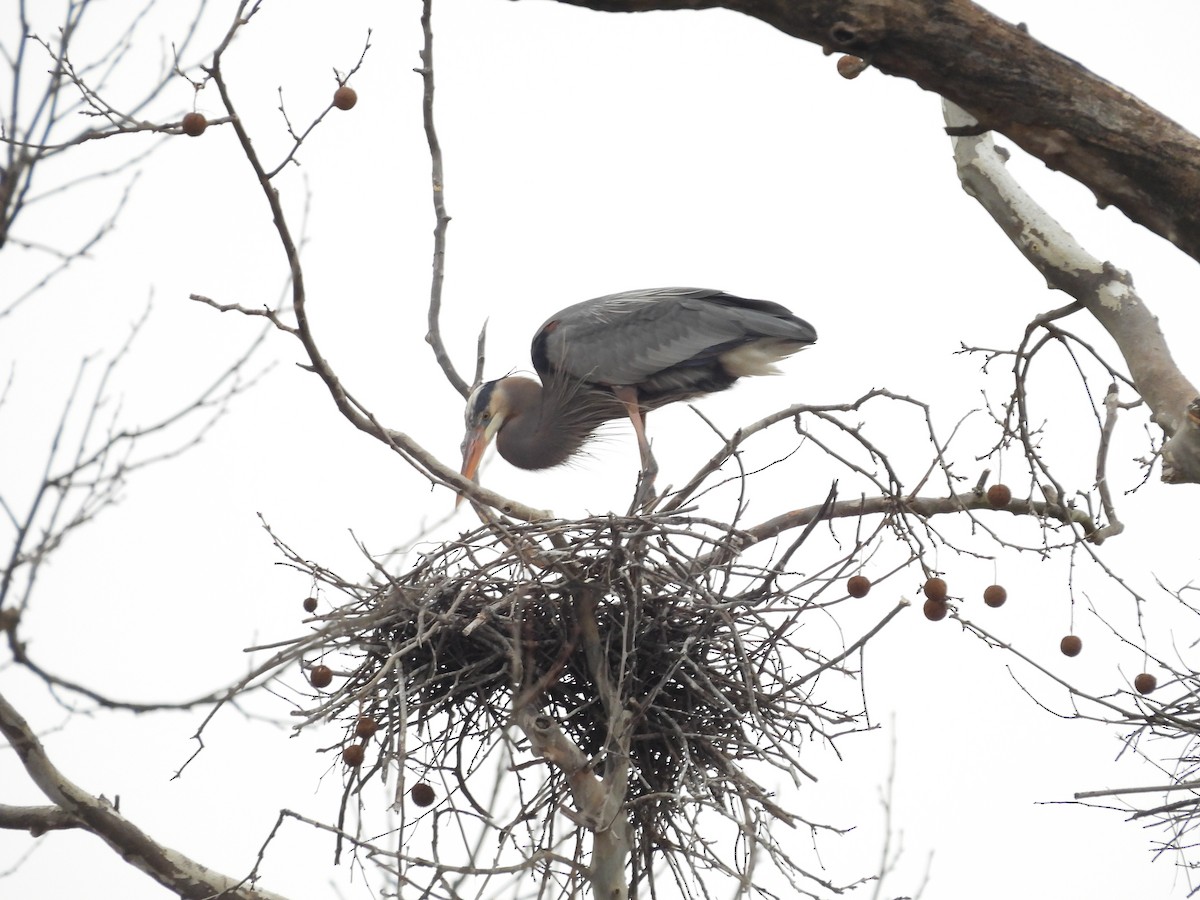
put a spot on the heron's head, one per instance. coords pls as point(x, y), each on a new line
point(485, 413)
point(489, 407)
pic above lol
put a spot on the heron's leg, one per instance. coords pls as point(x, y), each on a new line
point(629, 397)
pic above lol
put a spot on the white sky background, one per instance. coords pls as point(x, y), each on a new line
point(585, 153)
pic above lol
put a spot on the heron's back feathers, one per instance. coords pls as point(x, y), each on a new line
point(671, 343)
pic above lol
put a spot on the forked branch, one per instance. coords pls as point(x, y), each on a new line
point(350, 408)
point(1104, 290)
point(170, 868)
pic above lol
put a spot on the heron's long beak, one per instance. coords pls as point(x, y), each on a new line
point(474, 443)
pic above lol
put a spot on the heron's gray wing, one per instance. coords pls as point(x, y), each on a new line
point(629, 337)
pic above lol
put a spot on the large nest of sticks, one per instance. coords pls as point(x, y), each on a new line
point(658, 614)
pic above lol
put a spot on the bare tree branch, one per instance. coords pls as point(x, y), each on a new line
point(600, 801)
point(925, 507)
point(357, 414)
point(1104, 290)
point(73, 492)
point(442, 219)
point(37, 135)
point(1129, 154)
point(168, 867)
point(37, 820)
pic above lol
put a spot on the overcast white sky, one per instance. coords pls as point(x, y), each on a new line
point(585, 154)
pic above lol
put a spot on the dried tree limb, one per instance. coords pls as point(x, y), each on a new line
point(434, 336)
point(733, 443)
point(1144, 789)
point(37, 820)
point(1129, 154)
point(174, 871)
point(350, 408)
point(599, 800)
point(74, 491)
point(1112, 403)
point(1104, 290)
point(924, 507)
point(612, 838)
point(33, 133)
point(860, 643)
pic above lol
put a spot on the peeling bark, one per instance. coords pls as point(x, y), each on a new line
point(1105, 291)
point(37, 820)
point(183, 876)
point(1130, 155)
point(600, 803)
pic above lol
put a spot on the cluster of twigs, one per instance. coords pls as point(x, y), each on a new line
point(1171, 806)
point(565, 619)
point(1161, 720)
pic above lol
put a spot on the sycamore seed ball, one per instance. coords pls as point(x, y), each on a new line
point(999, 495)
point(345, 97)
point(935, 589)
point(365, 726)
point(994, 595)
point(310, 604)
point(320, 676)
point(352, 755)
point(422, 794)
point(1145, 683)
point(935, 610)
point(1070, 645)
point(851, 66)
point(193, 124)
point(858, 585)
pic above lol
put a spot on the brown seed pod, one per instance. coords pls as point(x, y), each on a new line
point(1145, 683)
point(365, 726)
point(999, 495)
point(310, 604)
point(320, 676)
point(193, 124)
point(935, 610)
point(345, 97)
point(858, 586)
point(994, 595)
point(1070, 645)
point(352, 755)
point(851, 66)
point(422, 794)
point(935, 589)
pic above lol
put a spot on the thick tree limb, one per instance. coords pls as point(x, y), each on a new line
point(600, 802)
point(1104, 290)
point(1129, 154)
point(37, 820)
point(171, 869)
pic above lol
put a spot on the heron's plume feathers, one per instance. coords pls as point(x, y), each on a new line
point(758, 357)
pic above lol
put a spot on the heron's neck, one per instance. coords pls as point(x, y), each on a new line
point(542, 434)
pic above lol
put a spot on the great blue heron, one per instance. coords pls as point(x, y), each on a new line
point(625, 354)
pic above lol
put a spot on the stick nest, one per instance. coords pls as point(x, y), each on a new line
point(573, 619)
